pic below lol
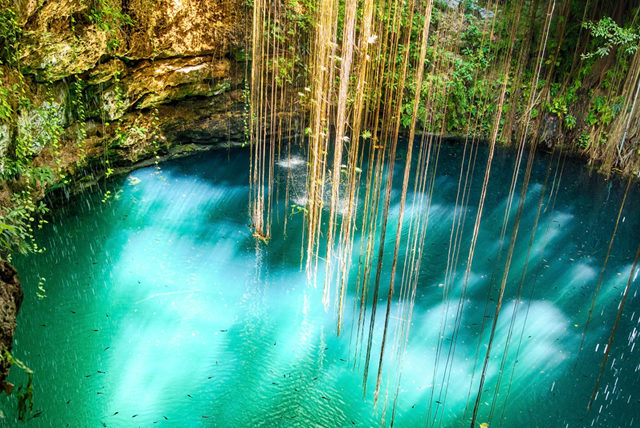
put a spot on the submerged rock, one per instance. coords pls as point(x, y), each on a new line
point(11, 295)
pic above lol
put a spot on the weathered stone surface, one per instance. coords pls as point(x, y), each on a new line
point(62, 38)
point(54, 56)
point(551, 132)
point(157, 82)
point(208, 121)
point(11, 295)
point(60, 41)
point(38, 126)
point(105, 72)
point(183, 28)
point(43, 15)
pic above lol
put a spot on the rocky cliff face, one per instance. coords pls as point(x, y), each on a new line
point(94, 85)
point(104, 71)
point(10, 301)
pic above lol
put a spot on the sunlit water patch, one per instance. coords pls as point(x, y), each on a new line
point(161, 308)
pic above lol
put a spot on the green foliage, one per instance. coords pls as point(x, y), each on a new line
point(569, 122)
point(584, 141)
point(24, 393)
point(17, 224)
point(109, 17)
point(296, 209)
point(558, 107)
point(42, 127)
point(79, 113)
point(608, 35)
point(38, 128)
point(9, 33)
point(601, 113)
point(6, 111)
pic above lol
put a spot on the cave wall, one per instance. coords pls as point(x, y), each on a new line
point(124, 80)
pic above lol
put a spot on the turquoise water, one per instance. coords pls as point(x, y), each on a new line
point(161, 308)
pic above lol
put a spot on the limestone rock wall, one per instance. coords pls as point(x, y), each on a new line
point(104, 72)
point(10, 301)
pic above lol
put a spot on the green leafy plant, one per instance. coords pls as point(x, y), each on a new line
point(609, 35)
point(558, 107)
point(9, 33)
point(601, 112)
point(569, 122)
point(17, 224)
point(109, 17)
point(584, 141)
point(6, 111)
point(24, 393)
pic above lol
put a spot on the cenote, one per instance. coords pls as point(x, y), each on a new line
point(162, 308)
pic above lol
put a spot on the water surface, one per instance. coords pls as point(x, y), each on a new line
point(161, 308)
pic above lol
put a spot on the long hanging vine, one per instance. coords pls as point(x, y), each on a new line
point(369, 85)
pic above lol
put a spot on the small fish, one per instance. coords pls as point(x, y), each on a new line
point(166, 418)
point(36, 414)
point(101, 372)
point(223, 331)
point(325, 398)
point(210, 377)
point(68, 401)
point(107, 348)
point(99, 393)
point(115, 413)
point(43, 325)
point(314, 379)
point(189, 395)
point(438, 402)
point(274, 383)
point(134, 415)
point(73, 312)
point(342, 359)
point(204, 417)
point(87, 375)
